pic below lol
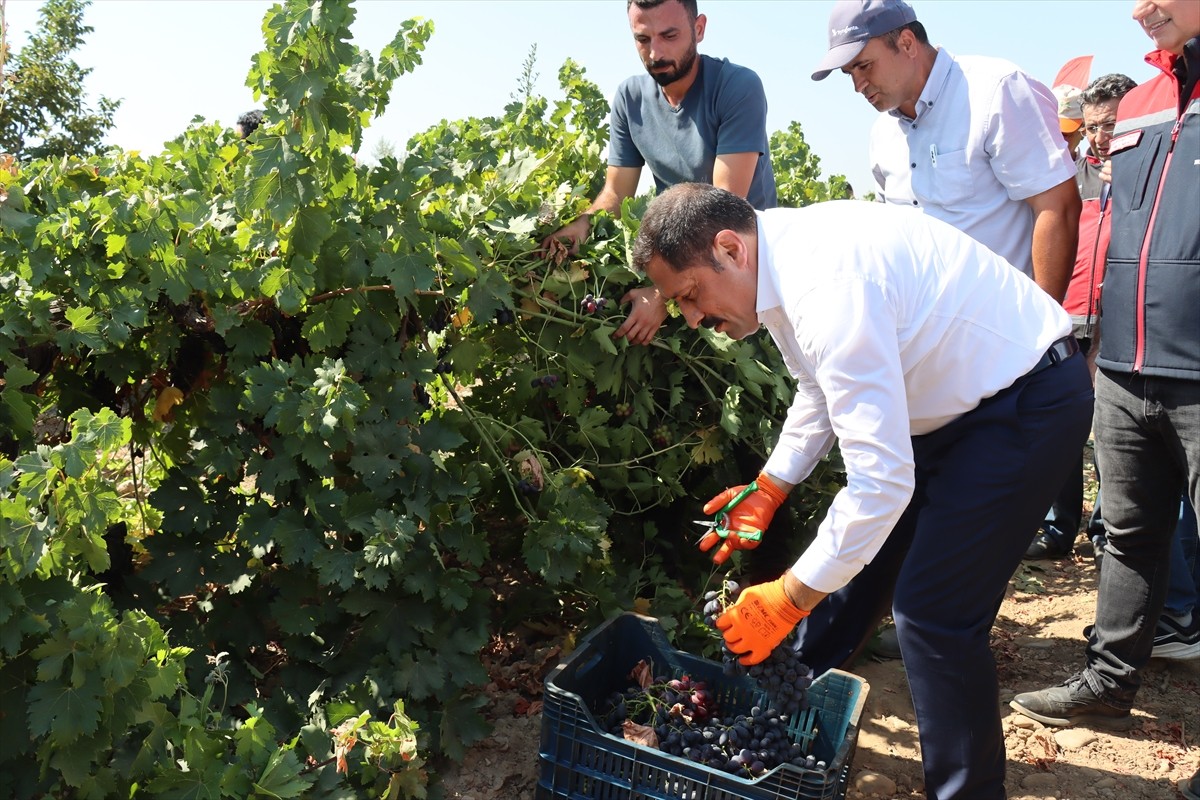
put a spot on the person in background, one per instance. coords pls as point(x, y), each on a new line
point(690, 118)
point(1177, 634)
point(1070, 116)
point(1147, 416)
point(970, 140)
point(1098, 114)
point(918, 349)
point(248, 123)
point(973, 141)
point(1176, 637)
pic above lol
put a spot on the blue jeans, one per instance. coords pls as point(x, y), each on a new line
point(1184, 586)
point(1147, 433)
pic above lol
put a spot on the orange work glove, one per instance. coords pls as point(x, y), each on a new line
point(750, 516)
point(760, 619)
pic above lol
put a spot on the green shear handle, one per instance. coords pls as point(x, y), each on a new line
point(720, 522)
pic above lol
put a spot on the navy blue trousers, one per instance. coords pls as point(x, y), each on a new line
point(983, 482)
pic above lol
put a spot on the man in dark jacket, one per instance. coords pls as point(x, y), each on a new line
point(1147, 418)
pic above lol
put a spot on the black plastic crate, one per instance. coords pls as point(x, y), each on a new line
point(578, 761)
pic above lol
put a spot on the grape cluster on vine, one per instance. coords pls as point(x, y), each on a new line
point(591, 304)
point(781, 675)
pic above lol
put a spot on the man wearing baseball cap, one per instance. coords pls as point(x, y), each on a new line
point(971, 140)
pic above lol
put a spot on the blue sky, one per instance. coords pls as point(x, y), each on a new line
point(169, 60)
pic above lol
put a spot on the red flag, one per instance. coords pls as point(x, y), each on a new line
point(1074, 73)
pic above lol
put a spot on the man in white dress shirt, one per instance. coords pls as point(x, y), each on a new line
point(959, 401)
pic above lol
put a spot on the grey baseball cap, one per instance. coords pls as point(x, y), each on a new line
point(853, 22)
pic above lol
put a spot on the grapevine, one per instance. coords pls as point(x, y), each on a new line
point(298, 408)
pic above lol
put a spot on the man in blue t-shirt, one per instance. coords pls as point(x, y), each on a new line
point(693, 118)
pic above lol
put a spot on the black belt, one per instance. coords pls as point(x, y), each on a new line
point(1061, 350)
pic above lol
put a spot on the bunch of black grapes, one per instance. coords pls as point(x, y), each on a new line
point(748, 745)
point(684, 717)
point(781, 675)
point(659, 703)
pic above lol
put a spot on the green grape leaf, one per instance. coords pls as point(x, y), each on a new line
point(336, 567)
point(297, 542)
point(462, 725)
point(409, 271)
point(708, 451)
point(272, 168)
point(250, 337)
point(254, 740)
point(731, 420)
point(65, 712)
point(311, 227)
point(489, 293)
point(328, 324)
point(85, 327)
point(572, 530)
point(602, 335)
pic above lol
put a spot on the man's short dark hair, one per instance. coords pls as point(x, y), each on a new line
point(248, 123)
point(688, 5)
point(918, 30)
point(1113, 86)
point(681, 223)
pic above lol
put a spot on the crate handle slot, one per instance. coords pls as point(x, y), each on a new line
point(583, 669)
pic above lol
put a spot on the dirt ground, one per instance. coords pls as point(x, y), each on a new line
point(1037, 641)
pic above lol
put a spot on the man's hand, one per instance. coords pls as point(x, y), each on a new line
point(753, 514)
point(647, 311)
point(568, 236)
point(760, 619)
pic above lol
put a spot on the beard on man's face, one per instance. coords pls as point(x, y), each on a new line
point(669, 76)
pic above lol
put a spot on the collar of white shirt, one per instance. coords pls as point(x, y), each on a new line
point(939, 76)
point(768, 295)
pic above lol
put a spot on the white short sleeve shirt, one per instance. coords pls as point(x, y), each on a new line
point(985, 138)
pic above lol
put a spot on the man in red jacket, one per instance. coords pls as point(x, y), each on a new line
point(1147, 414)
point(1099, 103)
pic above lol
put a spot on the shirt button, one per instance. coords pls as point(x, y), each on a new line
point(913, 165)
point(914, 202)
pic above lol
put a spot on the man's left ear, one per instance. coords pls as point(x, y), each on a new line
point(731, 246)
point(701, 21)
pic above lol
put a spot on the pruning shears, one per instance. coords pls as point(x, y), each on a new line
point(719, 524)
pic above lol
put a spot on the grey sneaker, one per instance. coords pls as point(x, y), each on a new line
point(1176, 642)
point(1072, 703)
